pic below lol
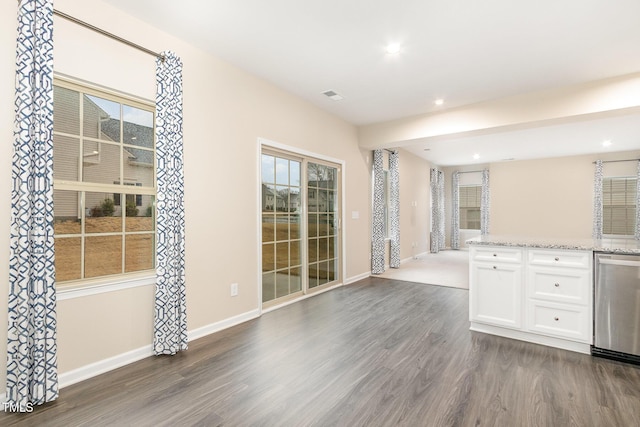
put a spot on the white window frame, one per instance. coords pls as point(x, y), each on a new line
point(460, 207)
point(90, 286)
point(614, 235)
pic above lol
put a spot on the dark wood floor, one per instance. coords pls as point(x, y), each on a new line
point(375, 353)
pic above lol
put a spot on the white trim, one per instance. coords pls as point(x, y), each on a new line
point(343, 222)
point(296, 150)
point(104, 286)
point(259, 225)
point(404, 261)
point(109, 364)
point(263, 142)
point(411, 258)
point(303, 297)
point(357, 278)
point(561, 343)
point(102, 366)
point(223, 324)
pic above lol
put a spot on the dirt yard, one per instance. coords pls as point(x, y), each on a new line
point(103, 254)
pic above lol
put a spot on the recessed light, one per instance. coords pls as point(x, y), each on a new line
point(393, 49)
point(606, 143)
point(439, 101)
point(476, 156)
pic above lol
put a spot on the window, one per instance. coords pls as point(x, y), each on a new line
point(619, 206)
point(470, 197)
point(103, 146)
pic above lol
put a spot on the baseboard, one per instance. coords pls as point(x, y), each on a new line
point(354, 279)
point(223, 324)
point(94, 369)
point(565, 344)
point(411, 258)
point(120, 360)
point(303, 297)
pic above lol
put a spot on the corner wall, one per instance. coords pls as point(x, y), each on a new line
point(226, 110)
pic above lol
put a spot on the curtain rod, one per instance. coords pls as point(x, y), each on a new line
point(108, 34)
point(471, 171)
point(616, 161)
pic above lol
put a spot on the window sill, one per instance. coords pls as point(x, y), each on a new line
point(104, 285)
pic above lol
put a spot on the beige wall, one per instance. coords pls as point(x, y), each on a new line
point(548, 197)
point(415, 215)
point(225, 111)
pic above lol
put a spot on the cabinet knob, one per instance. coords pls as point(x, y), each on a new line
point(556, 318)
point(494, 267)
point(557, 285)
point(557, 259)
point(495, 254)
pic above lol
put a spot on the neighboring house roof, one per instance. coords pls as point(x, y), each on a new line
point(133, 134)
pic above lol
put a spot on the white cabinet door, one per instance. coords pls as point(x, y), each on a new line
point(495, 294)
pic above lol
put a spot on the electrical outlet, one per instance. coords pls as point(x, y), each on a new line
point(234, 289)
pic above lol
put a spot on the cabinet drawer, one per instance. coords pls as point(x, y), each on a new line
point(496, 254)
point(560, 320)
point(572, 259)
point(561, 285)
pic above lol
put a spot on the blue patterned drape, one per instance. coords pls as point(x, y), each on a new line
point(377, 230)
point(32, 377)
point(485, 199)
point(437, 211)
point(455, 210)
point(394, 209)
point(597, 201)
point(170, 325)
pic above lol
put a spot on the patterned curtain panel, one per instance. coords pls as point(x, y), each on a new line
point(597, 201)
point(377, 232)
point(32, 376)
point(637, 235)
point(437, 211)
point(485, 203)
point(394, 209)
point(170, 325)
point(441, 225)
point(455, 210)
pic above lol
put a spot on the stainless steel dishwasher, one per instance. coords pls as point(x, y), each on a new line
point(617, 307)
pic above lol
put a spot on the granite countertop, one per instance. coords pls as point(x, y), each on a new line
point(621, 246)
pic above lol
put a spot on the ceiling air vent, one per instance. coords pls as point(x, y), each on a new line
point(333, 95)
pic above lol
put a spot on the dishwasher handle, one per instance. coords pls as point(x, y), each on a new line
point(618, 262)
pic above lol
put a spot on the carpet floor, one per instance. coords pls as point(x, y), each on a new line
point(445, 268)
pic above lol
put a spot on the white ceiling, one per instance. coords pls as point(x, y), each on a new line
point(464, 51)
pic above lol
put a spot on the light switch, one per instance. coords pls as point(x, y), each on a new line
point(355, 215)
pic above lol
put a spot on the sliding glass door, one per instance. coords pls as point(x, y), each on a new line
point(323, 223)
point(300, 225)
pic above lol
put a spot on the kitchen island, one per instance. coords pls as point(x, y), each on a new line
point(537, 289)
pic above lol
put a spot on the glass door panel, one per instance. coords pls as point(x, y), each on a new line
point(281, 234)
point(323, 229)
point(300, 225)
